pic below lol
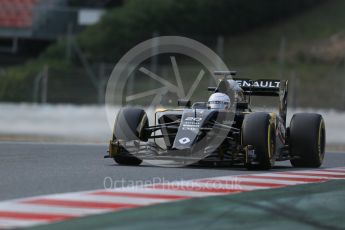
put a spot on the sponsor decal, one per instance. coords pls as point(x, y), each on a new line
point(196, 119)
point(259, 84)
point(191, 123)
point(184, 140)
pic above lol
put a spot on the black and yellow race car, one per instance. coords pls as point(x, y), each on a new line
point(239, 135)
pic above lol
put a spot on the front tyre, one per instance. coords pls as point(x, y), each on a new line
point(127, 160)
point(307, 140)
point(130, 125)
point(258, 131)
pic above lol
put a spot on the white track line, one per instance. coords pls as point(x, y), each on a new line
point(286, 175)
point(323, 172)
point(107, 199)
point(36, 208)
point(337, 168)
point(308, 174)
point(6, 223)
point(166, 191)
point(260, 180)
point(235, 185)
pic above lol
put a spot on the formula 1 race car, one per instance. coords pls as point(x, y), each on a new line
point(209, 133)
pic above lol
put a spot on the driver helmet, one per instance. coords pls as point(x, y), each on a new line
point(219, 101)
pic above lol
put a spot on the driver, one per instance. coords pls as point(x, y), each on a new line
point(219, 101)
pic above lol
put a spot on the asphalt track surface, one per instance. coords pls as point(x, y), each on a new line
point(31, 169)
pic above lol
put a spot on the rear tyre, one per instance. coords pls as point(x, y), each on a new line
point(259, 131)
point(130, 124)
point(307, 140)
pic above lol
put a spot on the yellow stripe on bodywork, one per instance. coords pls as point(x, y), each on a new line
point(321, 126)
point(273, 121)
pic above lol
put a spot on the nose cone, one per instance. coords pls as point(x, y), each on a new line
point(189, 129)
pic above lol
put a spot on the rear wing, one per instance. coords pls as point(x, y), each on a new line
point(262, 87)
point(267, 87)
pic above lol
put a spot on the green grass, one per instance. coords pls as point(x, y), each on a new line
point(315, 81)
point(257, 54)
point(299, 32)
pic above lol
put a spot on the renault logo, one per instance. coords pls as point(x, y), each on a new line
point(184, 140)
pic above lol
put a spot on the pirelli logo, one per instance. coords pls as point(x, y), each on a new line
point(269, 84)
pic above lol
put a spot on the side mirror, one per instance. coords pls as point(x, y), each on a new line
point(211, 89)
point(242, 105)
point(184, 103)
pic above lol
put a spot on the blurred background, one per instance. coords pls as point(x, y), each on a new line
point(56, 57)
